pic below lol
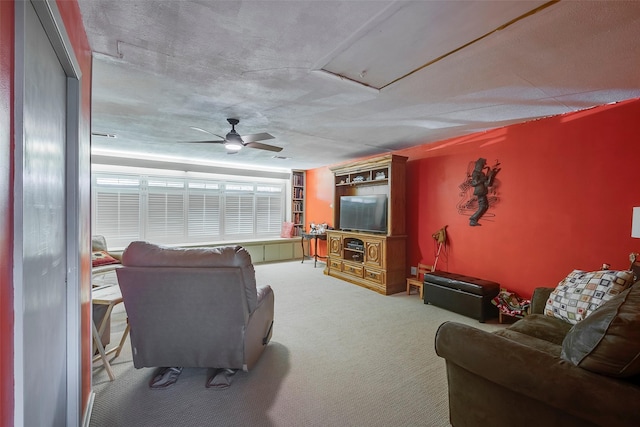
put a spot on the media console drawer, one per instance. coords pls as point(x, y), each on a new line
point(335, 264)
point(374, 275)
point(354, 270)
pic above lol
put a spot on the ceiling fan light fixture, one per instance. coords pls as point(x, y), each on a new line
point(233, 142)
point(233, 146)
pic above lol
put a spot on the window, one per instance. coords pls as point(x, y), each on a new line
point(116, 210)
point(169, 210)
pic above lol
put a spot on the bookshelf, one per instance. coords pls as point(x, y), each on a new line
point(298, 178)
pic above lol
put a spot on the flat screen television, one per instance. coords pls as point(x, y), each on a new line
point(364, 213)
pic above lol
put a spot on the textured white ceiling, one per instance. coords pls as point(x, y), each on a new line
point(446, 68)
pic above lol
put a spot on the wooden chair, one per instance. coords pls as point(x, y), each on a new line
point(418, 279)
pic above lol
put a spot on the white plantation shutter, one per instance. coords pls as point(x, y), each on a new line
point(117, 209)
point(269, 209)
point(204, 211)
point(168, 210)
point(238, 215)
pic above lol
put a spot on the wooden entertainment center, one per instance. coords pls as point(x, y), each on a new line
point(372, 260)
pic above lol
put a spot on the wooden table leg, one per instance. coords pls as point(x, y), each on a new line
point(123, 339)
point(98, 343)
point(315, 251)
point(110, 297)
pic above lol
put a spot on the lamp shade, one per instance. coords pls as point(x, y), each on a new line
point(635, 223)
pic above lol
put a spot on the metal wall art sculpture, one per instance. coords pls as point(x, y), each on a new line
point(479, 190)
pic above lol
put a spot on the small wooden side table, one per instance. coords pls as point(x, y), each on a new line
point(109, 296)
point(315, 237)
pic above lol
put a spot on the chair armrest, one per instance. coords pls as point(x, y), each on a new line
point(259, 326)
point(262, 291)
point(539, 300)
point(538, 375)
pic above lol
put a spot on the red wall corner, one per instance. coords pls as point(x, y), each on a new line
point(6, 212)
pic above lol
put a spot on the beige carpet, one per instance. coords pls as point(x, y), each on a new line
point(340, 355)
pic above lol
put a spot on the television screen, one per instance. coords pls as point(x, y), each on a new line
point(364, 213)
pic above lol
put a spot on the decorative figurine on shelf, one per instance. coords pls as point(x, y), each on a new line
point(481, 179)
point(318, 228)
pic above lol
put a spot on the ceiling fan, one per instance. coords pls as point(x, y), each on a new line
point(233, 142)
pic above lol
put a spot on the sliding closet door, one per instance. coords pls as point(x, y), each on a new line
point(44, 262)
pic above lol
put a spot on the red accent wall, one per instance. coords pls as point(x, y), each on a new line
point(566, 190)
point(6, 211)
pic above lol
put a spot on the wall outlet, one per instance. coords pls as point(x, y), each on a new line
point(414, 271)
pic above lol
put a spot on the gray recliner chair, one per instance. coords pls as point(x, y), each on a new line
point(198, 308)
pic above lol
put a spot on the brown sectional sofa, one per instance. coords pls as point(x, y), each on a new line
point(544, 371)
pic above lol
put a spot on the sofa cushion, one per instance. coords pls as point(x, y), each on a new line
point(531, 341)
point(543, 327)
point(581, 292)
point(608, 341)
point(99, 258)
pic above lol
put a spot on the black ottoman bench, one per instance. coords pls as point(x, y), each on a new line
point(465, 295)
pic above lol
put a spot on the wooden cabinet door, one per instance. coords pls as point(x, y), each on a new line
point(335, 246)
point(373, 252)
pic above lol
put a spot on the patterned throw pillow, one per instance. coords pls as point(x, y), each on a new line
point(608, 341)
point(581, 292)
point(99, 258)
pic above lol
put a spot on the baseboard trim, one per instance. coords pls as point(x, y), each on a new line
point(86, 418)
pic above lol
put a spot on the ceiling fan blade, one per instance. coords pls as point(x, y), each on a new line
point(263, 146)
point(204, 142)
point(256, 137)
point(202, 130)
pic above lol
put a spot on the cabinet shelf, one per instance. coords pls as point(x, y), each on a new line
point(369, 182)
point(374, 175)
